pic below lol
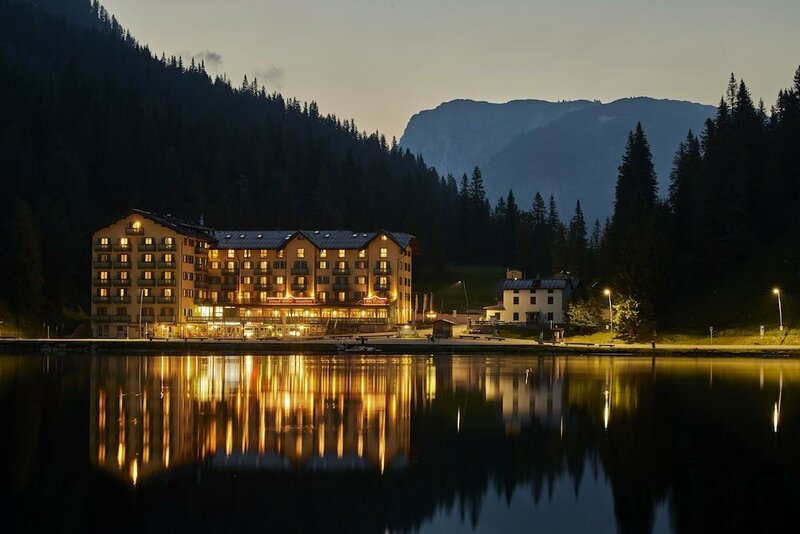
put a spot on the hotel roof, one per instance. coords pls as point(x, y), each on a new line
point(540, 283)
point(323, 239)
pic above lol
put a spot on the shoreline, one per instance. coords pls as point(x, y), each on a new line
point(373, 346)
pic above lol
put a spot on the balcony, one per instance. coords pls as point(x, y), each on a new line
point(387, 270)
point(101, 318)
point(101, 282)
point(149, 299)
point(165, 300)
point(146, 264)
point(257, 271)
point(120, 319)
point(146, 247)
point(101, 264)
point(200, 283)
point(382, 287)
point(122, 283)
point(163, 282)
point(229, 287)
point(167, 247)
point(121, 265)
point(134, 230)
point(199, 250)
point(166, 318)
point(101, 300)
point(199, 267)
point(166, 265)
point(121, 247)
point(262, 287)
point(146, 282)
point(233, 271)
point(101, 247)
point(299, 287)
point(344, 271)
point(341, 286)
point(148, 319)
point(299, 270)
point(120, 300)
point(202, 302)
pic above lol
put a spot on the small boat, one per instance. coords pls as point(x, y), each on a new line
point(358, 349)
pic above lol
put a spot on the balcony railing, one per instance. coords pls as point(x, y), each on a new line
point(341, 286)
point(165, 300)
point(101, 282)
point(101, 318)
point(146, 282)
point(299, 287)
point(166, 247)
point(200, 283)
point(257, 271)
point(166, 318)
point(134, 231)
point(120, 300)
point(228, 287)
point(198, 267)
point(101, 264)
point(123, 283)
point(341, 271)
point(299, 270)
point(101, 300)
point(387, 270)
point(202, 301)
point(382, 287)
point(262, 287)
point(120, 319)
point(163, 282)
point(166, 265)
point(146, 264)
point(121, 247)
point(149, 299)
point(146, 247)
point(101, 247)
point(199, 250)
point(148, 318)
point(121, 265)
point(235, 270)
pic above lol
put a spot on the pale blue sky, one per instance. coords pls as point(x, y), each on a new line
point(381, 61)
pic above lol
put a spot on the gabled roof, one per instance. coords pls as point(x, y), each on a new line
point(540, 283)
point(253, 239)
point(322, 239)
point(173, 223)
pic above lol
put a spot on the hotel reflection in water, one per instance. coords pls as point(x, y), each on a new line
point(151, 414)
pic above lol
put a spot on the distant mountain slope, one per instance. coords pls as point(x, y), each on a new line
point(570, 149)
point(460, 134)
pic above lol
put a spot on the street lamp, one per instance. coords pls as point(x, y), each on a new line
point(466, 298)
point(777, 293)
point(607, 292)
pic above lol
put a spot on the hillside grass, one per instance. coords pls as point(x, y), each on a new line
point(448, 294)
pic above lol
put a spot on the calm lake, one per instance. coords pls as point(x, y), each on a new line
point(399, 444)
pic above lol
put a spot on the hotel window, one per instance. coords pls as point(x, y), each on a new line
point(123, 241)
point(168, 258)
point(341, 253)
point(262, 296)
point(168, 241)
point(323, 279)
point(124, 275)
point(167, 292)
point(516, 316)
point(145, 291)
point(247, 253)
point(147, 275)
point(279, 280)
point(103, 275)
point(550, 300)
point(247, 279)
point(384, 252)
point(280, 253)
point(245, 296)
point(516, 300)
point(122, 311)
point(361, 264)
point(341, 265)
point(147, 258)
point(263, 280)
point(147, 241)
point(263, 253)
point(322, 296)
point(323, 264)
point(247, 265)
point(383, 238)
point(361, 280)
point(102, 292)
point(383, 265)
point(549, 316)
point(323, 253)
point(383, 280)
point(231, 265)
point(362, 253)
point(124, 258)
point(342, 296)
point(533, 299)
point(213, 254)
point(301, 253)
point(301, 280)
point(122, 292)
point(168, 275)
point(263, 265)
point(279, 264)
point(231, 253)
point(215, 265)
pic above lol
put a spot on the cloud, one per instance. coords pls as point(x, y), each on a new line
point(209, 57)
point(271, 77)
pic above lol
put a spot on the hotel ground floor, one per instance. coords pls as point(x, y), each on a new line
point(250, 322)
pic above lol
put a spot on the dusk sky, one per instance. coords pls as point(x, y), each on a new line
point(381, 61)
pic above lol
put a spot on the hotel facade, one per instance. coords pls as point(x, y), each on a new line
point(157, 276)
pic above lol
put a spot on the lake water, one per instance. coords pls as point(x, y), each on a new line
point(399, 444)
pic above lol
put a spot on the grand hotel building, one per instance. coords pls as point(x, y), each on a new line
point(155, 275)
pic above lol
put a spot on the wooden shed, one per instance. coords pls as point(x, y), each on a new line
point(443, 329)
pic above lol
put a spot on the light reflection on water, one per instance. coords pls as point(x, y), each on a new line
point(408, 443)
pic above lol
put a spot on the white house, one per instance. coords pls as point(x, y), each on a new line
point(532, 301)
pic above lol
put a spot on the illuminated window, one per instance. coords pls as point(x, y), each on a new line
point(262, 296)
point(263, 280)
point(231, 265)
point(136, 225)
point(231, 253)
point(168, 240)
point(122, 292)
point(301, 280)
point(342, 296)
point(362, 253)
point(247, 253)
point(341, 253)
point(103, 275)
point(147, 275)
point(263, 265)
point(147, 241)
point(213, 254)
point(323, 264)
point(102, 292)
point(384, 238)
point(123, 241)
point(145, 292)
point(323, 253)
point(322, 296)
point(384, 252)
point(148, 258)
point(167, 292)
point(247, 265)
point(168, 275)
point(124, 258)
point(301, 253)
point(263, 253)
point(247, 279)
point(383, 280)
point(215, 265)
point(280, 253)
point(124, 275)
point(361, 279)
point(168, 258)
point(279, 280)
point(104, 241)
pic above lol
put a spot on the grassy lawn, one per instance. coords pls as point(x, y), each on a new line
point(790, 336)
point(481, 282)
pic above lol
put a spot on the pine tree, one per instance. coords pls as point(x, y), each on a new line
point(576, 241)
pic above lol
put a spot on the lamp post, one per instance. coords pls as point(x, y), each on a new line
point(466, 298)
point(607, 292)
point(777, 293)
